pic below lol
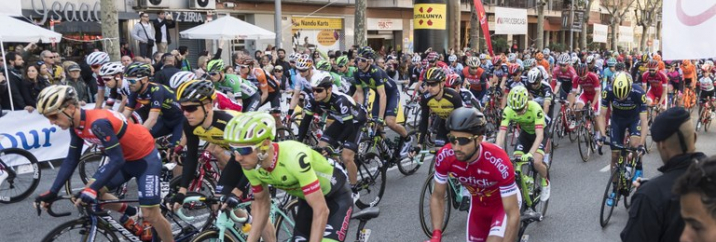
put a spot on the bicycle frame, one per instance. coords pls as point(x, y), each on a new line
point(525, 182)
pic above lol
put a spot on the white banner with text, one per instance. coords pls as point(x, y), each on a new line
point(510, 21)
point(687, 29)
point(600, 33)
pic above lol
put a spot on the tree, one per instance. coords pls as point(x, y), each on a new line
point(453, 18)
point(540, 24)
point(617, 10)
point(110, 29)
point(645, 13)
point(588, 6)
point(474, 28)
point(360, 30)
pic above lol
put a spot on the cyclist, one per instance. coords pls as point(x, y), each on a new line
point(706, 85)
point(486, 65)
point(129, 147)
point(241, 88)
point(609, 73)
point(562, 77)
point(530, 144)
point(487, 173)
point(304, 65)
point(588, 83)
point(269, 88)
point(385, 106)
point(540, 91)
point(110, 74)
point(639, 68)
point(592, 67)
point(415, 70)
point(438, 100)
point(454, 82)
point(345, 128)
point(347, 73)
point(476, 77)
point(343, 86)
point(164, 114)
point(676, 81)
point(541, 61)
point(516, 79)
point(689, 73)
point(655, 94)
point(627, 101)
point(95, 60)
point(221, 102)
point(325, 204)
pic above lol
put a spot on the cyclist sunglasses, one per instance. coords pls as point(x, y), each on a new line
point(361, 59)
point(244, 150)
point(341, 66)
point(461, 140)
point(190, 108)
point(213, 73)
point(95, 66)
point(432, 84)
point(133, 80)
point(318, 90)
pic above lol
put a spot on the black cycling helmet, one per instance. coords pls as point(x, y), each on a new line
point(366, 52)
point(196, 91)
point(138, 69)
point(619, 66)
point(435, 74)
point(468, 120)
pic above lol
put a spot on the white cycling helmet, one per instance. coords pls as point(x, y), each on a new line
point(512, 57)
point(416, 59)
point(483, 56)
point(111, 69)
point(546, 51)
point(576, 60)
point(321, 79)
point(181, 77)
point(97, 58)
point(452, 58)
point(590, 59)
point(564, 59)
point(534, 75)
point(473, 61)
point(304, 62)
point(293, 56)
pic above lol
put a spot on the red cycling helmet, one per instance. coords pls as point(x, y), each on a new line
point(582, 69)
point(653, 65)
point(454, 81)
point(514, 69)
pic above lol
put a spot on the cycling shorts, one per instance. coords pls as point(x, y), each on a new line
point(275, 99)
point(678, 86)
point(146, 172)
point(706, 94)
point(251, 104)
point(441, 132)
point(391, 106)
point(485, 221)
point(654, 97)
point(565, 89)
point(584, 98)
point(525, 141)
point(340, 205)
point(619, 128)
point(346, 132)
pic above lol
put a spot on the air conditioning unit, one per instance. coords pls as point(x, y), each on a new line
point(153, 4)
point(202, 4)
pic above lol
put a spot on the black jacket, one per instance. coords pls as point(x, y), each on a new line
point(30, 90)
point(654, 214)
point(15, 87)
point(158, 30)
point(162, 76)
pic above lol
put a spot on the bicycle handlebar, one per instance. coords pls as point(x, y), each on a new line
point(49, 208)
point(208, 200)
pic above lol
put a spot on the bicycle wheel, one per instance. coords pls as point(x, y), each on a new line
point(371, 180)
point(702, 118)
point(21, 176)
point(77, 230)
point(284, 225)
point(583, 142)
point(90, 163)
point(604, 218)
point(213, 235)
point(536, 190)
point(284, 133)
point(424, 212)
point(409, 166)
point(202, 213)
point(206, 187)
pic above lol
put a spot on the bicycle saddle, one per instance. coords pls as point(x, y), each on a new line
point(367, 214)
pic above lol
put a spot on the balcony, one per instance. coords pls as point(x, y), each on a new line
point(323, 2)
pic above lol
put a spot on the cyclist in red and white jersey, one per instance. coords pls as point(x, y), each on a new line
point(562, 76)
point(485, 170)
point(657, 81)
point(590, 87)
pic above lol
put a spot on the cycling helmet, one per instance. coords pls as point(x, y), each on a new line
point(97, 58)
point(669, 64)
point(53, 97)
point(653, 65)
point(321, 79)
point(622, 86)
point(539, 56)
point(215, 65)
point(656, 57)
point(452, 58)
point(196, 91)
point(304, 62)
point(111, 69)
point(416, 59)
point(563, 59)
point(619, 66)
point(545, 51)
point(575, 60)
point(582, 69)
point(432, 56)
point(706, 67)
point(512, 58)
point(323, 65)
point(181, 77)
point(293, 56)
point(514, 69)
point(435, 74)
point(526, 56)
point(611, 62)
point(534, 76)
point(483, 56)
point(454, 80)
point(590, 59)
point(250, 128)
point(468, 120)
point(473, 61)
point(644, 58)
point(528, 63)
point(342, 61)
point(366, 52)
point(138, 69)
point(518, 97)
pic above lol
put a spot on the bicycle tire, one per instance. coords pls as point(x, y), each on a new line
point(536, 196)
point(604, 220)
point(411, 166)
point(9, 183)
point(376, 179)
point(284, 133)
point(212, 235)
point(583, 143)
point(87, 161)
point(290, 210)
point(427, 226)
point(84, 224)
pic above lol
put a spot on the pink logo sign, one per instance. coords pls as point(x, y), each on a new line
point(694, 20)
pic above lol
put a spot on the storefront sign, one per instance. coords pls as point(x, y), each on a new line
point(66, 11)
point(327, 37)
point(317, 23)
point(600, 33)
point(187, 17)
point(429, 16)
point(510, 21)
point(385, 24)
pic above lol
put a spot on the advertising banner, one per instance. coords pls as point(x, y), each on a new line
point(687, 29)
point(600, 33)
point(626, 34)
point(510, 21)
point(429, 16)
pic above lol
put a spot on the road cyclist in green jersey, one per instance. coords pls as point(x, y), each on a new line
point(243, 90)
point(338, 80)
point(347, 72)
point(325, 203)
point(529, 115)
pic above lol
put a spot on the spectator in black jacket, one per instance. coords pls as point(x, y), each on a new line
point(654, 212)
point(13, 61)
point(167, 71)
point(281, 61)
point(698, 201)
point(162, 24)
point(31, 86)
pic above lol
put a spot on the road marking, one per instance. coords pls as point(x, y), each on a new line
point(605, 169)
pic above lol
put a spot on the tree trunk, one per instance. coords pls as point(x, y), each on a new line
point(453, 15)
point(474, 28)
point(644, 36)
point(540, 24)
point(110, 29)
point(615, 29)
point(359, 23)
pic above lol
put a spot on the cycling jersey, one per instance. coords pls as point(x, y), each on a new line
point(627, 109)
point(445, 66)
point(541, 93)
point(240, 87)
point(608, 76)
point(488, 67)
point(543, 63)
point(338, 81)
point(512, 83)
point(656, 81)
point(501, 71)
point(529, 122)
point(490, 174)
point(373, 79)
point(442, 107)
point(341, 108)
point(675, 79)
point(564, 77)
point(469, 99)
point(223, 102)
point(160, 98)
point(706, 84)
point(590, 84)
point(264, 81)
point(478, 81)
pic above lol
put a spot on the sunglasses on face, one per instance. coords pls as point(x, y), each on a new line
point(433, 84)
point(473, 68)
point(318, 90)
point(278, 71)
point(244, 150)
point(302, 71)
point(362, 59)
point(107, 78)
point(190, 108)
point(563, 65)
point(243, 66)
point(95, 66)
point(341, 66)
point(133, 80)
point(461, 140)
point(213, 73)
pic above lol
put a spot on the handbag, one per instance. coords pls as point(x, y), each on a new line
point(150, 42)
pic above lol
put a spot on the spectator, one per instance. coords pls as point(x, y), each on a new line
point(183, 57)
point(166, 72)
point(698, 201)
point(229, 70)
point(515, 48)
point(125, 51)
point(56, 71)
point(162, 25)
point(654, 213)
point(278, 74)
point(265, 61)
point(74, 79)
point(258, 54)
point(14, 62)
point(140, 32)
point(201, 71)
point(126, 60)
point(32, 84)
point(281, 61)
point(45, 74)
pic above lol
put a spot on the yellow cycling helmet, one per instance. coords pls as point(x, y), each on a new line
point(518, 97)
point(622, 85)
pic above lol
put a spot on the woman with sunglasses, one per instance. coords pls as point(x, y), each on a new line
point(324, 199)
point(486, 171)
point(129, 147)
point(243, 91)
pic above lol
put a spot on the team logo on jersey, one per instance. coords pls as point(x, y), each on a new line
point(305, 165)
point(604, 94)
point(643, 98)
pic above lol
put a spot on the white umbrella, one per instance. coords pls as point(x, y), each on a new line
point(227, 27)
